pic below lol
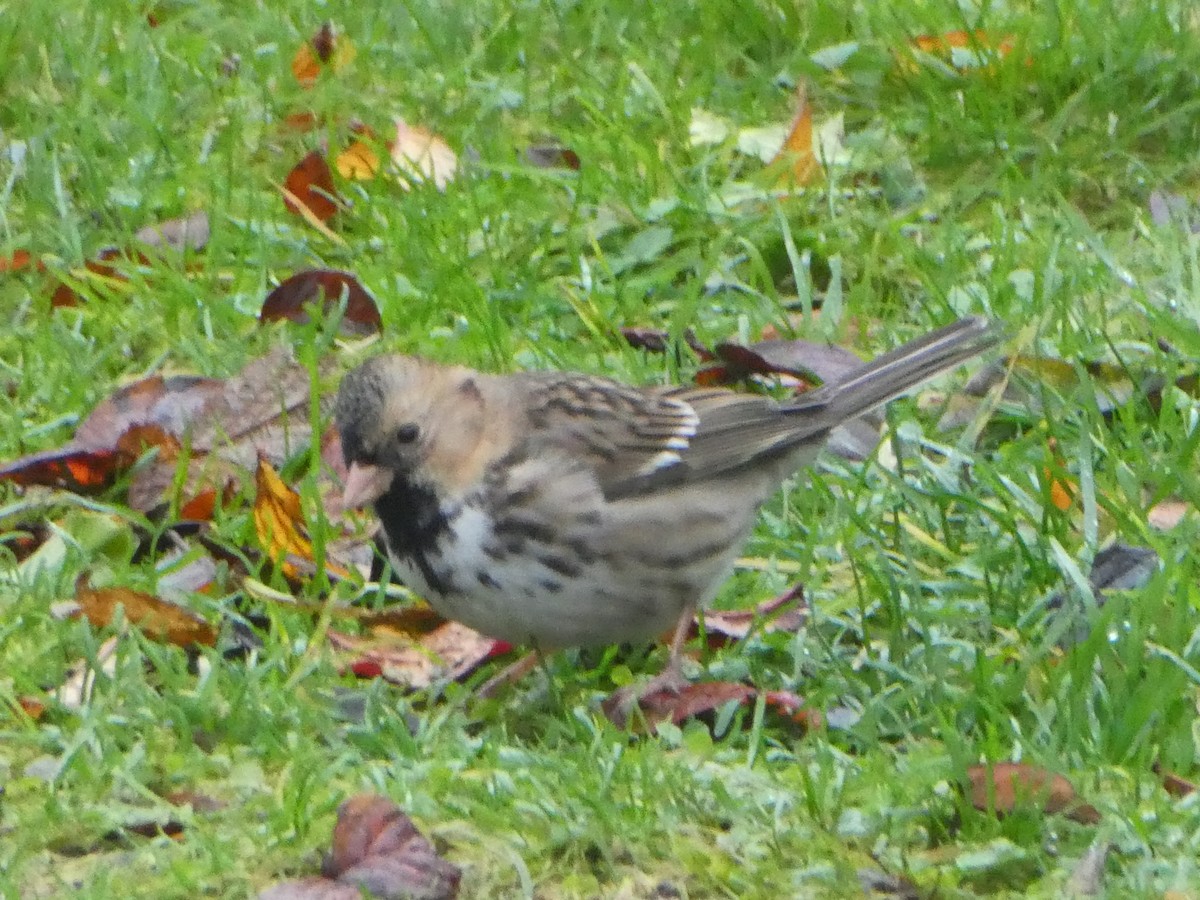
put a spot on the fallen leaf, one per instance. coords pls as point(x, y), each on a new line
point(809, 362)
point(169, 402)
point(656, 340)
point(289, 299)
point(965, 49)
point(21, 259)
point(32, 707)
point(796, 157)
point(552, 156)
point(1003, 787)
point(450, 651)
point(88, 469)
point(156, 618)
point(1166, 515)
point(76, 689)
point(423, 156)
point(189, 232)
point(1087, 878)
point(358, 162)
point(704, 698)
point(325, 48)
point(1175, 785)
point(301, 121)
point(787, 612)
point(378, 850)
point(309, 190)
point(279, 520)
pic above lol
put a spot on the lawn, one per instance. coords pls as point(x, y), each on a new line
point(1042, 175)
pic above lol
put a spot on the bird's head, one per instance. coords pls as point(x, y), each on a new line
point(399, 416)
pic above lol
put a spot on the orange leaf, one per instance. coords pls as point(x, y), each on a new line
point(450, 650)
point(943, 44)
point(156, 618)
point(797, 153)
point(21, 259)
point(310, 184)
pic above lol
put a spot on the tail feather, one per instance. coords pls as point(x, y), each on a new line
point(902, 369)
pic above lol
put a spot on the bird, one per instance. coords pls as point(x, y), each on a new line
point(559, 509)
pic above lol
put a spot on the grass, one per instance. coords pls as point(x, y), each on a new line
point(1029, 182)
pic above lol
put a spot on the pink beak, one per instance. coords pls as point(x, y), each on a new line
point(364, 485)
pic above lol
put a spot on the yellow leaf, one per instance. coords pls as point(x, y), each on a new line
point(279, 523)
point(358, 162)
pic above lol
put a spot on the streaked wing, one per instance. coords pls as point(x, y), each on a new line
point(645, 440)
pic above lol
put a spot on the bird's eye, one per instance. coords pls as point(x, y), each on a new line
point(407, 433)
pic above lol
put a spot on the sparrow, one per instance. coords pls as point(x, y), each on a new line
point(559, 509)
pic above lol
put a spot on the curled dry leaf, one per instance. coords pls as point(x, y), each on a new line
point(423, 156)
point(156, 618)
point(309, 190)
point(809, 362)
point(279, 521)
point(1004, 787)
point(88, 469)
point(324, 286)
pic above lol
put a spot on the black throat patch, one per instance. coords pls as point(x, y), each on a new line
point(415, 523)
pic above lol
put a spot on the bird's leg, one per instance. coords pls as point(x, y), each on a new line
point(670, 680)
point(510, 674)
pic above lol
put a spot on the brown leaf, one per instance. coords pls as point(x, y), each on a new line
point(301, 121)
point(704, 698)
point(171, 403)
point(310, 185)
point(1004, 787)
point(325, 48)
point(449, 651)
point(797, 157)
point(787, 612)
point(162, 621)
point(32, 707)
point(326, 286)
point(655, 340)
point(98, 270)
point(552, 156)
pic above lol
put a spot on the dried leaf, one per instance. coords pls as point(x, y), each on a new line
point(289, 299)
point(171, 403)
point(982, 42)
point(552, 156)
point(1004, 787)
point(703, 699)
point(450, 651)
point(325, 48)
point(423, 156)
point(76, 689)
point(309, 189)
point(279, 520)
point(189, 232)
point(787, 612)
point(796, 156)
point(1166, 515)
point(376, 849)
point(21, 259)
point(156, 618)
point(358, 162)
point(88, 469)
point(811, 363)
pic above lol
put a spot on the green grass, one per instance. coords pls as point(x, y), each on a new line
point(925, 577)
